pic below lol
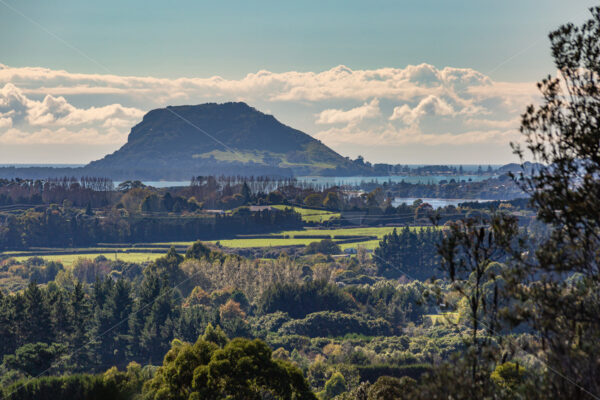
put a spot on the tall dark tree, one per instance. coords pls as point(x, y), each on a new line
point(111, 331)
point(8, 330)
point(37, 324)
point(79, 340)
point(160, 324)
point(556, 283)
point(408, 252)
point(469, 253)
point(563, 279)
point(246, 193)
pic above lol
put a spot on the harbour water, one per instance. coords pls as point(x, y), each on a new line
point(435, 203)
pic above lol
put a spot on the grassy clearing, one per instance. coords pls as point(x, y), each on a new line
point(309, 215)
point(69, 259)
point(375, 231)
point(294, 241)
point(443, 319)
point(242, 156)
point(291, 240)
point(263, 242)
point(379, 232)
point(369, 245)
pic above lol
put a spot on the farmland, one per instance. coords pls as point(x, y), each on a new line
point(69, 259)
point(146, 252)
point(311, 215)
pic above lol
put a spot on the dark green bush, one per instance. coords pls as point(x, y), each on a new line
point(299, 300)
point(371, 373)
point(326, 324)
point(72, 387)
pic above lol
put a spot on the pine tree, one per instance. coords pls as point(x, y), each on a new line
point(160, 324)
point(37, 323)
point(111, 331)
point(79, 340)
point(246, 193)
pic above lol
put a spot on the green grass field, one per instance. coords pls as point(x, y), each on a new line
point(375, 231)
point(241, 156)
point(69, 259)
point(291, 240)
point(369, 245)
point(263, 242)
point(309, 215)
point(379, 232)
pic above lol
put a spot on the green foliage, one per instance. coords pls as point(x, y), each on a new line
point(313, 200)
point(242, 369)
point(372, 373)
point(562, 135)
point(270, 322)
point(114, 304)
point(334, 386)
point(408, 252)
point(198, 251)
point(167, 267)
point(396, 303)
point(215, 335)
point(298, 300)
point(150, 203)
point(332, 201)
point(75, 387)
point(112, 384)
point(390, 388)
point(508, 375)
point(328, 323)
point(325, 246)
point(34, 358)
point(275, 198)
point(68, 227)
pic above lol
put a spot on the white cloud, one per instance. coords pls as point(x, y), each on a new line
point(337, 83)
point(25, 120)
point(336, 116)
point(429, 106)
point(5, 123)
point(416, 104)
point(393, 136)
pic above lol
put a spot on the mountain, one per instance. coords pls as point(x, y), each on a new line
point(230, 139)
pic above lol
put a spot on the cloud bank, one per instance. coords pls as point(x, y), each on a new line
point(419, 105)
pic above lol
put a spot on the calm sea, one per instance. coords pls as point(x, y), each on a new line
point(357, 180)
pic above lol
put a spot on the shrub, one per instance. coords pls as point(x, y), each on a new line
point(299, 300)
point(371, 373)
point(325, 246)
point(325, 324)
point(73, 387)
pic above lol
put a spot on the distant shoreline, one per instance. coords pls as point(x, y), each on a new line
point(69, 165)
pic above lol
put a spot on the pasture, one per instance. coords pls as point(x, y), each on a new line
point(310, 215)
point(69, 259)
point(146, 252)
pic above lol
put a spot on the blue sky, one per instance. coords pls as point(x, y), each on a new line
point(505, 41)
point(232, 38)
